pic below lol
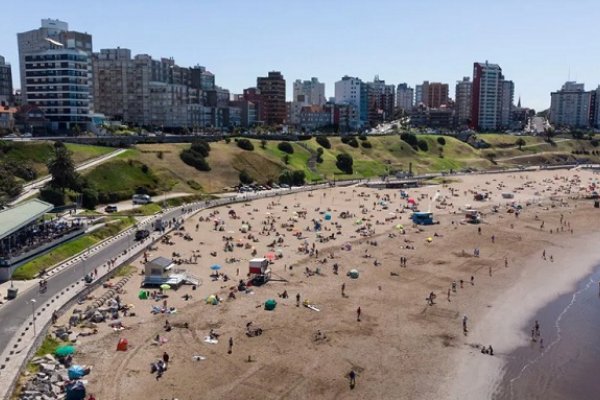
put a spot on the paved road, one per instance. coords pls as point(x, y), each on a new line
point(34, 187)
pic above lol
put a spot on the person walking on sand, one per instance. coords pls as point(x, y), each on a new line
point(490, 269)
point(505, 262)
point(343, 290)
point(358, 311)
point(449, 295)
point(298, 300)
point(352, 376)
point(472, 280)
point(230, 345)
point(165, 358)
point(464, 322)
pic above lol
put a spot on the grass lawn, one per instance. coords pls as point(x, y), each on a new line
point(82, 152)
point(39, 152)
point(67, 250)
point(125, 270)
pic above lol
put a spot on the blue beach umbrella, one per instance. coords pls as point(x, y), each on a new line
point(215, 267)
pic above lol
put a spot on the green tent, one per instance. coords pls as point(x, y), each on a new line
point(270, 304)
point(143, 295)
point(64, 351)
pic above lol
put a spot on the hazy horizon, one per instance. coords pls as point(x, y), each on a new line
point(538, 44)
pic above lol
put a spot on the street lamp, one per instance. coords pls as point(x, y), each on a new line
point(33, 316)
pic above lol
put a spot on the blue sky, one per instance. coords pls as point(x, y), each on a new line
point(537, 43)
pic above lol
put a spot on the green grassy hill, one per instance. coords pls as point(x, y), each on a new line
point(37, 153)
point(387, 153)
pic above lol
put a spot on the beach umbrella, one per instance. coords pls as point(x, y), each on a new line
point(212, 299)
point(270, 256)
point(215, 267)
point(353, 273)
point(411, 200)
point(399, 226)
point(358, 221)
point(429, 239)
point(165, 286)
point(64, 351)
point(279, 252)
point(327, 217)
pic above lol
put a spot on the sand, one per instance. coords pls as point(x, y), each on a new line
point(402, 347)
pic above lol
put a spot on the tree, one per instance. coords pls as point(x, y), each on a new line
point(520, 142)
point(9, 186)
point(441, 140)
point(62, 169)
point(323, 142)
point(286, 147)
point(263, 144)
point(286, 159)
point(245, 177)
point(344, 163)
point(245, 144)
point(89, 198)
point(422, 145)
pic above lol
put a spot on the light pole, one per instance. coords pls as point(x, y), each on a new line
point(33, 316)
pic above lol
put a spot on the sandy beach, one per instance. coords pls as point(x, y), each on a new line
point(402, 347)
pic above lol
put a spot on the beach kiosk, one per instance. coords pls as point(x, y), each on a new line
point(422, 218)
point(258, 270)
point(161, 271)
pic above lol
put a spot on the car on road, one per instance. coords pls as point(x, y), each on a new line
point(110, 209)
point(141, 199)
point(141, 234)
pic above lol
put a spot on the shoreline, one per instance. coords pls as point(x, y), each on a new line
point(505, 324)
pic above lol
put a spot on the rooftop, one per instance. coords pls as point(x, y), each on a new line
point(14, 218)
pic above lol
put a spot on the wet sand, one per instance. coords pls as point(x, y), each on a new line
point(402, 347)
point(565, 366)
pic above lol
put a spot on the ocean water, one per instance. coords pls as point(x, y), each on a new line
point(568, 365)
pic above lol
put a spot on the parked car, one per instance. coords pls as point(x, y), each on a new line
point(141, 199)
point(141, 234)
point(110, 209)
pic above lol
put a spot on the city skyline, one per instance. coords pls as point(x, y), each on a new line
point(241, 41)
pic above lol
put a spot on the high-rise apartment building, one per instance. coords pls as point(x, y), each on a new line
point(506, 103)
point(491, 100)
point(596, 116)
point(432, 94)
point(56, 73)
point(272, 89)
point(463, 101)
point(437, 95)
point(6, 87)
point(306, 93)
point(404, 97)
point(381, 101)
point(353, 91)
point(571, 106)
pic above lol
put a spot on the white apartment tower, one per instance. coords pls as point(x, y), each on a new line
point(404, 97)
point(571, 106)
point(56, 73)
point(463, 101)
point(306, 93)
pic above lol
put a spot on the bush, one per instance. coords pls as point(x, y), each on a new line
point(194, 159)
point(245, 177)
point(286, 159)
point(201, 147)
point(53, 195)
point(245, 144)
point(145, 168)
point(160, 155)
point(366, 144)
point(594, 142)
point(304, 137)
point(292, 178)
point(362, 137)
point(323, 142)
point(422, 145)
point(227, 140)
point(344, 163)
point(286, 147)
point(89, 198)
point(350, 141)
point(410, 139)
point(441, 140)
point(263, 144)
